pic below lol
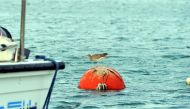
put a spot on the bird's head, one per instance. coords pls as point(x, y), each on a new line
point(89, 55)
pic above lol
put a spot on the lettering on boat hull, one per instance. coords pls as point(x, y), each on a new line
point(19, 105)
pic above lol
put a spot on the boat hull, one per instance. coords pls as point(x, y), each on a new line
point(24, 89)
point(24, 85)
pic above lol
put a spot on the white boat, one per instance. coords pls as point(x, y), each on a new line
point(27, 84)
point(24, 85)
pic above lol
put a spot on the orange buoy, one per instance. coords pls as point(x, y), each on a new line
point(101, 78)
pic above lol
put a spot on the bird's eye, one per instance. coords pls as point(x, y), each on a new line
point(3, 45)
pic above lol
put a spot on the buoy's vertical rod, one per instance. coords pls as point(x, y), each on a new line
point(22, 31)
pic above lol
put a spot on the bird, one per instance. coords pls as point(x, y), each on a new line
point(97, 57)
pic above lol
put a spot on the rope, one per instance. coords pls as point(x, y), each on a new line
point(46, 103)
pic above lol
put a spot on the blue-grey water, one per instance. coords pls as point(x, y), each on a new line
point(148, 42)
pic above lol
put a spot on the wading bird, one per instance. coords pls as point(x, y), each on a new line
point(97, 57)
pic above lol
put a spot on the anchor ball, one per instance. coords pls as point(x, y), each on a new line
point(101, 78)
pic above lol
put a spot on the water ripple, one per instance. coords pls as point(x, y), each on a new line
point(67, 105)
point(91, 107)
point(148, 42)
point(174, 57)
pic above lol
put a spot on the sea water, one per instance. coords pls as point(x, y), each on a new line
point(147, 41)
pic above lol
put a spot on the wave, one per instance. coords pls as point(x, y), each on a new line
point(174, 57)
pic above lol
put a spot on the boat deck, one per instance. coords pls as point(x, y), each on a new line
point(29, 65)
